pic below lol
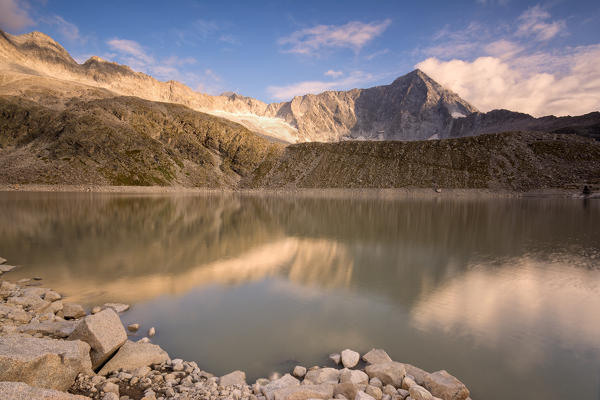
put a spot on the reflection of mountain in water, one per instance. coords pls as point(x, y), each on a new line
point(130, 248)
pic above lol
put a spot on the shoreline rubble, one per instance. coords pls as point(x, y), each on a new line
point(50, 348)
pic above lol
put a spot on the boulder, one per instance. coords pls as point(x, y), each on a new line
point(346, 389)
point(417, 373)
point(445, 386)
point(418, 392)
point(285, 381)
point(374, 392)
point(133, 355)
point(390, 373)
point(46, 363)
point(376, 356)
point(350, 358)
point(299, 371)
point(304, 392)
point(233, 378)
point(22, 391)
point(73, 311)
point(354, 376)
point(61, 329)
point(363, 396)
point(104, 332)
point(322, 375)
point(118, 307)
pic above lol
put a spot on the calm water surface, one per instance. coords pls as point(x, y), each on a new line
point(504, 294)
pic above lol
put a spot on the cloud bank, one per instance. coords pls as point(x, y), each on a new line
point(518, 71)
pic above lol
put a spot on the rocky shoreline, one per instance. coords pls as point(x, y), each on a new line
point(51, 348)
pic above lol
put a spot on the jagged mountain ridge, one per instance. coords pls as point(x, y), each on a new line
point(413, 107)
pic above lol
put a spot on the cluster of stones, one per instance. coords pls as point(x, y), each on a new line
point(51, 349)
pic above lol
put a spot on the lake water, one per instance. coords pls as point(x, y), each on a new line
point(504, 294)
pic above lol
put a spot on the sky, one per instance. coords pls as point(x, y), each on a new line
point(536, 57)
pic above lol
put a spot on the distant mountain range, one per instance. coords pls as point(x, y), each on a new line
point(414, 107)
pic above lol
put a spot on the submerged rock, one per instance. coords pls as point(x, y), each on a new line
point(46, 363)
point(22, 391)
point(104, 333)
point(133, 355)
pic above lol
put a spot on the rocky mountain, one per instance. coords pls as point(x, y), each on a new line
point(413, 107)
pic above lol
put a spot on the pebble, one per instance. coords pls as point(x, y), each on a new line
point(151, 332)
point(336, 358)
point(133, 327)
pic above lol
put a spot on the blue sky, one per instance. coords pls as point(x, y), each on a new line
point(494, 53)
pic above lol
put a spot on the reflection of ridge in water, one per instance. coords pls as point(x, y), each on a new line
point(301, 261)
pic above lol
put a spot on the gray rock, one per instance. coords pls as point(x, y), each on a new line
point(114, 396)
point(417, 373)
point(29, 302)
point(376, 356)
point(353, 376)
point(374, 392)
point(304, 392)
point(363, 396)
point(7, 268)
point(336, 358)
point(110, 387)
point(61, 329)
point(390, 373)
point(72, 311)
point(104, 333)
point(18, 315)
point(118, 307)
point(46, 363)
point(285, 381)
point(299, 371)
point(376, 382)
point(347, 389)
point(7, 289)
point(54, 307)
point(350, 358)
point(233, 378)
point(403, 393)
point(389, 389)
point(322, 375)
point(51, 295)
point(418, 392)
point(22, 391)
point(133, 355)
point(442, 384)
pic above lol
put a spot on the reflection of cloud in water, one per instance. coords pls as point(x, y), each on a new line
point(304, 261)
point(531, 304)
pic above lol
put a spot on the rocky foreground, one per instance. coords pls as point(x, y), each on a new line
point(52, 349)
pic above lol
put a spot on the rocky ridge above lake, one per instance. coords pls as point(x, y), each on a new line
point(33, 66)
point(50, 348)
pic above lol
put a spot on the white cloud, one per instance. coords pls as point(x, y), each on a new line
point(353, 35)
point(334, 74)
point(301, 88)
point(377, 54)
point(209, 82)
point(132, 49)
point(533, 23)
point(524, 84)
point(14, 15)
point(67, 29)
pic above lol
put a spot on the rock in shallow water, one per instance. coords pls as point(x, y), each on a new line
point(46, 363)
point(104, 333)
point(22, 391)
point(2, 260)
point(336, 358)
point(350, 358)
point(376, 356)
point(442, 384)
point(299, 371)
point(133, 355)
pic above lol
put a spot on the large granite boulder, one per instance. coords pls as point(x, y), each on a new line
point(46, 363)
point(322, 375)
point(104, 332)
point(22, 391)
point(285, 381)
point(134, 355)
point(233, 378)
point(304, 392)
point(390, 373)
point(445, 386)
point(376, 356)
